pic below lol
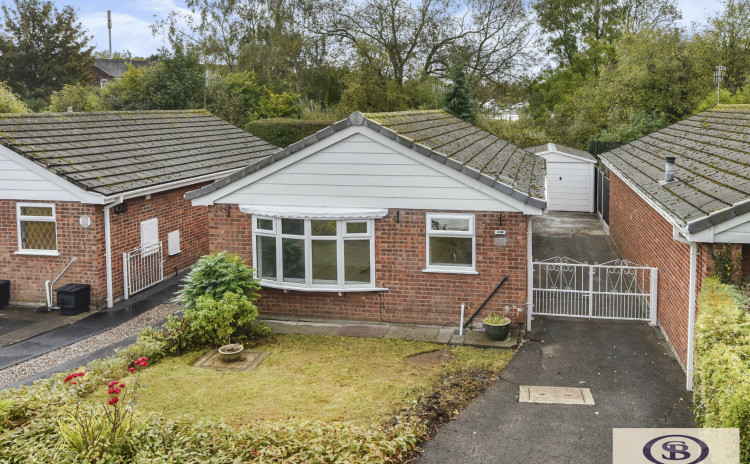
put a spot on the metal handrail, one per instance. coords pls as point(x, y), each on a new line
point(466, 324)
point(49, 284)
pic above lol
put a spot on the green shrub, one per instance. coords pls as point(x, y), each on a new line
point(213, 322)
point(9, 102)
point(722, 361)
point(521, 133)
point(283, 132)
point(216, 274)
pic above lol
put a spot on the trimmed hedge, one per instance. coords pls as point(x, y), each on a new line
point(283, 132)
point(722, 361)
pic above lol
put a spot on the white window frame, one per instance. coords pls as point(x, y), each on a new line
point(340, 237)
point(21, 218)
point(451, 233)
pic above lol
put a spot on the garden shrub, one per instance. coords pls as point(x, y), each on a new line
point(213, 322)
point(283, 132)
point(722, 361)
point(216, 274)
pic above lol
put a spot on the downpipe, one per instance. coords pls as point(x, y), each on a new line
point(108, 249)
point(690, 362)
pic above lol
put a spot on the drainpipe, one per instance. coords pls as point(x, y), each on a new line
point(690, 364)
point(108, 250)
point(529, 273)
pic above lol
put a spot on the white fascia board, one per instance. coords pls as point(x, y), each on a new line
point(716, 234)
point(171, 185)
point(557, 152)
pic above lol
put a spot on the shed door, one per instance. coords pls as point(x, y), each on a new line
point(570, 186)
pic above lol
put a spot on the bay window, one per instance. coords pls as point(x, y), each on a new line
point(450, 243)
point(314, 254)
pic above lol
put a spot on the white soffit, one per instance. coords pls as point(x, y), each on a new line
point(308, 212)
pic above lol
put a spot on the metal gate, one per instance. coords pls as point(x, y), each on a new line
point(602, 195)
point(142, 268)
point(613, 290)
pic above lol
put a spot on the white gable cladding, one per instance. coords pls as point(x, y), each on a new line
point(735, 230)
point(364, 169)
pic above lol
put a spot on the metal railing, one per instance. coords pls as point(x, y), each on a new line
point(51, 283)
point(142, 268)
point(481, 307)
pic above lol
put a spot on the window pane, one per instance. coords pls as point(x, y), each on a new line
point(356, 227)
point(450, 251)
point(446, 223)
point(324, 262)
point(45, 211)
point(357, 261)
point(293, 257)
point(267, 257)
point(265, 224)
point(320, 228)
point(38, 235)
point(293, 226)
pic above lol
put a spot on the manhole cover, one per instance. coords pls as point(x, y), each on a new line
point(248, 361)
point(430, 358)
point(555, 395)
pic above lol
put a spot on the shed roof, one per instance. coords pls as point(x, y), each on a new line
point(555, 147)
point(111, 153)
point(444, 138)
point(712, 169)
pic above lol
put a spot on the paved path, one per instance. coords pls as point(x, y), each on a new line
point(634, 381)
point(96, 323)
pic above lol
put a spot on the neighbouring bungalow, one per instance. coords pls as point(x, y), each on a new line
point(103, 194)
point(677, 197)
point(108, 70)
point(398, 217)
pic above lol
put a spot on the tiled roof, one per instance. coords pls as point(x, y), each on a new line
point(562, 149)
point(115, 152)
point(441, 137)
point(117, 67)
point(712, 169)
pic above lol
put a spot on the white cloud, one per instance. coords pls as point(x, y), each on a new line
point(128, 33)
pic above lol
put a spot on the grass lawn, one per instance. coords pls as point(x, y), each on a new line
point(359, 380)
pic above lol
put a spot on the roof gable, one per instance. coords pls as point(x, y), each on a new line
point(522, 171)
point(562, 150)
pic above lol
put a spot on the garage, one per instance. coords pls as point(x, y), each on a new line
point(570, 177)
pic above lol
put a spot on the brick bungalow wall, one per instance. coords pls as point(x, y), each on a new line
point(643, 236)
point(28, 273)
point(413, 296)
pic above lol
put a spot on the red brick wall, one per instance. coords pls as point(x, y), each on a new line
point(746, 262)
point(28, 273)
point(413, 296)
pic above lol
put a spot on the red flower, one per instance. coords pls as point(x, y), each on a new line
point(68, 377)
point(145, 364)
point(73, 382)
point(112, 383)
point(131, 369)
point(113, 400)
point(122, 385)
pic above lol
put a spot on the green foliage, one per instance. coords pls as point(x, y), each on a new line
point(80, 97)
point(458, 99)
point(234, 97)
point(42, 49)
point(726, 268)
point(742, 97)
point(213, 322)
point(216, 274)
point(277, 105)
point(495, 319)
point(722, 361)
point(522, 133)
point(9, 102)
point(283, 132)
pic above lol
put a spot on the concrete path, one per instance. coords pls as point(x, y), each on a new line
point(91, 325)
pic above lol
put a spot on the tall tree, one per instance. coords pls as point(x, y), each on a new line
point(9, 102)
point(726, 41)
point(458, 100)
point(42, 48)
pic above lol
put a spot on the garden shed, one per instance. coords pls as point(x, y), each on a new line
point(570, 177)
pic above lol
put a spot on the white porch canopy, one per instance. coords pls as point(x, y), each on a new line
point(317, 212)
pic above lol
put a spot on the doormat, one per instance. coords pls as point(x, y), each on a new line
point(431, 358)
point(248, 361)
point(555, 395)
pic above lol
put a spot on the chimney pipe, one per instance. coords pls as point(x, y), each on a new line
point(70, 109)
point(109, 26)
point(669, 170)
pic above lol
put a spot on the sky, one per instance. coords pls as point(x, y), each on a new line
point(131, 20)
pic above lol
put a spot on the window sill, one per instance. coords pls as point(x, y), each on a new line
point(321, 289)
point(37, 253)
point(450, 271)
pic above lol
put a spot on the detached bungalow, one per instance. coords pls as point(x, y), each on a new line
point(102, 193)
point(385, 217)
point(676, 197)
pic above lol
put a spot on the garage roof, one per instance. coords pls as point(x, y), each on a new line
point(111, 153)
point(712, 168)
point(554, 147)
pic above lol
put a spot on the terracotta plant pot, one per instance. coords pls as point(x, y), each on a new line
point(497, 332)
point(231, 353)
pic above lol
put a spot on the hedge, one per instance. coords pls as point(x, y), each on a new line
point(722, 361)
point(283, 132)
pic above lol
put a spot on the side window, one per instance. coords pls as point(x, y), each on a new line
point(37, 227)
point(450, 242)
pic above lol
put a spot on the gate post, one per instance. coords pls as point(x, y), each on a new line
point(591, 291)
point(125, 272)
point(654, 296)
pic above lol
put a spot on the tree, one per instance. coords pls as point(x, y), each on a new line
point(458, 99)
point(9, 102)
point(42, 48)
point(80, 97)
point(726, 41)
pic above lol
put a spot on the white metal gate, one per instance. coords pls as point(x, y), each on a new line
point(142, 267)
point(613, 290)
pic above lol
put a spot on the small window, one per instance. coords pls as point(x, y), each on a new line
point(265, 224)
point(356, 228)
point(37, 227)
point(450, 242)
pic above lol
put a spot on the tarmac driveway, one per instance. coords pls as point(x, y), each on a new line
point(633, 379)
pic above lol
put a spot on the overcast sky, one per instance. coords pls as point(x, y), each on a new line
point(131, 20)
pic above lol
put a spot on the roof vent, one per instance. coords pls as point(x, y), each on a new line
point(669, 169)
point(70, 109)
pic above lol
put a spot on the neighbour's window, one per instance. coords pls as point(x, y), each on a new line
point(314, 253)
point(450, 242)
point(37, 229)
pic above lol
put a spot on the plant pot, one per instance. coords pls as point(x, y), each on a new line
point(231, 353)
point(497, 332)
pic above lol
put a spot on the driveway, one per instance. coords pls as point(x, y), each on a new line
point(627, 366)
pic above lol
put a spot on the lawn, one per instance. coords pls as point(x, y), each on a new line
point(358, 380)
